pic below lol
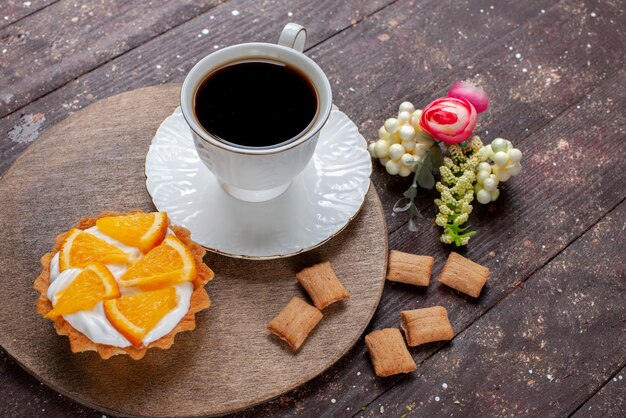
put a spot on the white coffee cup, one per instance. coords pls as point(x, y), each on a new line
point(258, 174)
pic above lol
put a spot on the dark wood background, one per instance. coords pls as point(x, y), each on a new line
point(547, 337)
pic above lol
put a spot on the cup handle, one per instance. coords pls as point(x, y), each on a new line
point(293, 36)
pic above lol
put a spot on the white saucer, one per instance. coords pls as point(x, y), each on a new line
point(320, 202)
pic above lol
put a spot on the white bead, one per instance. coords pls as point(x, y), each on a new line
point(494, 195)
point(382, 148)
point(420, 150)
point(407, 160)
point(482, 176)
point(407, 132)
point(372, 149)
point(483, 154)
point(488, 151)
point(515, 155)
point(484, 167)
point(490, 185)
point(499, 144)
point(494, 178)
point(394, 138)
point(404, 117)
point(384, 161)
point(483, 196)
point(396, 151)
point(382, 133)
point(415, 118)
point(500, 158)
point(503, 175)
point(406, 107)
point(514, 169)
point(392, 125)
point(408, 145)
point(392, 167)
point(404, 171)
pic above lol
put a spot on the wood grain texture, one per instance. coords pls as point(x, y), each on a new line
point(555, 68)
point(14, 10)
point(539, 352)
point(69, 38)
point(25, 396)
point(380, 60)
point(164, 59)
point(570, 50)
point(548, 214)
point(534, 220)
point(408, 52)
point(609, 401)
point(90, 163)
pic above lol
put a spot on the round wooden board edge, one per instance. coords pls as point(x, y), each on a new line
point(33, 146)
point(349, 347)
point(252, 404)
point(70, 119)
point(77, 398)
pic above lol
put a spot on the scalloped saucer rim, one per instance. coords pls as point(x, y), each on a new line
point(180, 167)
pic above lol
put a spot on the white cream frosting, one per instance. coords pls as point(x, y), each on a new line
point(93, 323)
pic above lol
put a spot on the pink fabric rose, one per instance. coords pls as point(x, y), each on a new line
point(474, 95)
point(449, 119)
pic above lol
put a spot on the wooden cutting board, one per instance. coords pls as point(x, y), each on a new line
point(94, 161)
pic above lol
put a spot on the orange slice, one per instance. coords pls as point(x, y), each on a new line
point(141, 230)
point(92, 285)
point(166, 265)
point(135, 315)
point(81, 248)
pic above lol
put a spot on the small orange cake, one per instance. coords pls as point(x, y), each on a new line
point(122, 283)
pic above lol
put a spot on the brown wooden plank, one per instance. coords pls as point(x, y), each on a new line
point(30, 397)
point(102, 179)
point(47, 49)
point(406, 18)
point(402, 61)
point(14, 10)
point(555, 70)
point(164, 60)
point(543, 102)
point(533, 221)
point(588, 78)
point(24, 396)
point(542, 350)
point(610, 401)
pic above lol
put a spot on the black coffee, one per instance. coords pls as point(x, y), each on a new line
point(256, 103)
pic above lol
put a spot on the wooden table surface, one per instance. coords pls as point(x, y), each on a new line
point(547, 335)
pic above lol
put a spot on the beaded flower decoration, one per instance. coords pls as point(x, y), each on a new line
point(409, 144)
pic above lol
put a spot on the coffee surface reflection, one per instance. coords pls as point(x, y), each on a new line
point(256, 103)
